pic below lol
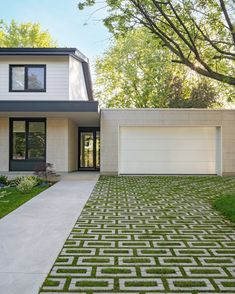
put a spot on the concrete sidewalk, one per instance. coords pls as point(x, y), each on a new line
point(32, 236)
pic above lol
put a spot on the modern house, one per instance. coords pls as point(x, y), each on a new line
point(48, 114)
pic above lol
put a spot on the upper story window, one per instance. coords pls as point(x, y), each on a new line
point(27, 78)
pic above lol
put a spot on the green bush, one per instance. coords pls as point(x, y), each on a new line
point(36, 179)
point(26, 184)
point(16, 181)
point(3, 180)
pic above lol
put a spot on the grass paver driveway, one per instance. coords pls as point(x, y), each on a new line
point(149, 235)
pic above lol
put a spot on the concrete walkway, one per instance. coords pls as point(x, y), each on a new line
point(32, 236)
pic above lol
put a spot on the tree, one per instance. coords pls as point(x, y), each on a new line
point(200, 33)
point(202, 95)
point(24, 35)
point(137, 72)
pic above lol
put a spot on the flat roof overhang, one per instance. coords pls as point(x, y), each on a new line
point(84, 113)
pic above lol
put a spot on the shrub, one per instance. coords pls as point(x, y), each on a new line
point(36, 179)
point(45, 170)
point(3, 180)
point(26, 184)
point(16, 181)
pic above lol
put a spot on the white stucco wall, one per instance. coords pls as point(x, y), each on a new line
point(62, 149)
point(77, 86)
point(72, 146)
point(4, 144)
point(57, 142)
point(112, 119)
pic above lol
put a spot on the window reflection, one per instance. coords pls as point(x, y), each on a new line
point(19, 140)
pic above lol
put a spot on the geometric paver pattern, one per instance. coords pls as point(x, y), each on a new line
point(149, 235)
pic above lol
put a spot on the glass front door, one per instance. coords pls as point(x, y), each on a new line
point(89, 148)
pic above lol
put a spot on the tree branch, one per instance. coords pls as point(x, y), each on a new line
point(210, 41)
point(228, 20)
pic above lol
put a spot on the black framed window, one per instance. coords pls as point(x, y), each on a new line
point(28, 139)
point(27, 78)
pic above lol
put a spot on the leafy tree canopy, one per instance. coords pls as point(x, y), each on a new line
point(24, 35)
point(137, 72)
point(200, 33)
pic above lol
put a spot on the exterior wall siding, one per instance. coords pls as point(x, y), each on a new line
point(57, 78)
point(112, 119)
point(77, 86)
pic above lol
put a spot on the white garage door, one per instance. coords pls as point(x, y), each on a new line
point(167, 150)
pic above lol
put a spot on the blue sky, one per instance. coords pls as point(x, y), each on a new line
point(64, 21)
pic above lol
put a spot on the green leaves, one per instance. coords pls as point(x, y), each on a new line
point(138, 72)
point(195, 31)
point(82, 5)
point(24, 35)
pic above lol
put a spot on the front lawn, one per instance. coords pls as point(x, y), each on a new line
point(226, 205)
point(12, 198)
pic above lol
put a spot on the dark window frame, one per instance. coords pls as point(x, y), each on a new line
point(27, 121)
point(26, 67)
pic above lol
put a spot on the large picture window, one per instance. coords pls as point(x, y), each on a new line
point(27, 78)
point(28, 139)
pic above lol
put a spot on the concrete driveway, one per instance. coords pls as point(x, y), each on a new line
point(32, 236)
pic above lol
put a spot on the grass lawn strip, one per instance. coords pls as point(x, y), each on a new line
point(226, 205)
point(14, 198)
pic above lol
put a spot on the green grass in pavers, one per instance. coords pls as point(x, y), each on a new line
point(227, 251)
point(226, 205)
point(204, 244)
point(115, 251)
point(160, 271)
point(62, 259)
point(188, 251)
point(71, 270)
point(220, 261)
point(153, 251)
point(91, 284)
point(179, 260)
point(141, 284)
point(13, 199)
point(137, 261)
point(149, 232)
point(189, 283)
point(51, 283)
point(228, 284)
point(115, 271)
point(81, 251)
point(205, 271)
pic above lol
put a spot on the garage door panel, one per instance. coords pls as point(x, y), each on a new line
point(167, 150)
point(161, 168)
point(168, 155)
point(156, 144)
